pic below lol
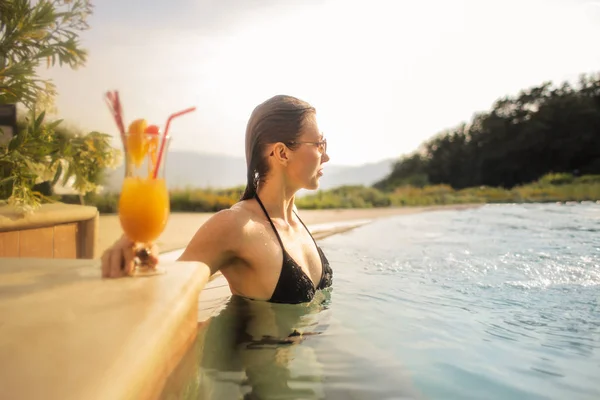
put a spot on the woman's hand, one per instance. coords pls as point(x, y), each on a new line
point(119, 259)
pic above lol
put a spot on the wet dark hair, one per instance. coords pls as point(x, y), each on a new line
point(278, 119)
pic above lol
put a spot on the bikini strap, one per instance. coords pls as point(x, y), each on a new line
point(271, 222)
point(311, 236)
point(318, 250)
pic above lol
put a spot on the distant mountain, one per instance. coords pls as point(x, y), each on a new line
point(203, 170)
point(194, 170)
point(366, 174)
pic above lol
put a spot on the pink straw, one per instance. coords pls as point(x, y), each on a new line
point(162, 145)
point(114, 105)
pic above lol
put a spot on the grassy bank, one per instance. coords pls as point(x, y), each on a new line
point(551, 188)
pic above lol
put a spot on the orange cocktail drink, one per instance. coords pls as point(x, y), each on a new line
point(144, 208)
point(144, 200)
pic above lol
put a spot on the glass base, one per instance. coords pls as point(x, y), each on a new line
point(144, 266)
point(143, 271)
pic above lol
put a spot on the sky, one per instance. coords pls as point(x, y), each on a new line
point(384, 75)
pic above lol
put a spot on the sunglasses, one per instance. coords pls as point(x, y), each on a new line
point(322, 145)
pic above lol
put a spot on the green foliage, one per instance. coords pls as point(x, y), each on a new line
point(345, 197)
point(541, 130)
point(33, 33)
point(556, 179)
point(182, 200)
point(106, 203)
point(44, 152)
point(587, 179)
point(36, 32)
point(585, 188)
point(549, 188)
point(409, 172)
point(204, 200)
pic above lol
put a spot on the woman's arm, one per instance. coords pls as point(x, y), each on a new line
point(215, 244)
point(217, 241)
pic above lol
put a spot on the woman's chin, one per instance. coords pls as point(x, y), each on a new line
point(312, 185)
point(315, 184)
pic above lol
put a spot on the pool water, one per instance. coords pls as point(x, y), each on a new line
point(496, 302)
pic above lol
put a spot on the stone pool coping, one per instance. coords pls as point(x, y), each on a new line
point(65, 333)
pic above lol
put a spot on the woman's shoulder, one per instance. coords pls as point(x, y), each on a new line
point(224, 231)
point(220, 238)
point(230, 219)
point(237, 219)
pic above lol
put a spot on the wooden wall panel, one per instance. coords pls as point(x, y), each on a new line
point(36, 242)
point(9, 244)
point(65, 241)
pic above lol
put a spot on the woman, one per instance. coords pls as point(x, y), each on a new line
point(260, 245)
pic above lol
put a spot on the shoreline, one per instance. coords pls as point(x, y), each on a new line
point(182, 225)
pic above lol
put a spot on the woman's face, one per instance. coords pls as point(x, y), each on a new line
point(306, 165)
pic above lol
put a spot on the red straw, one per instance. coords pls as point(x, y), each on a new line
point(162, 145)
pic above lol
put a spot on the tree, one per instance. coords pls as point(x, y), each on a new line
point(408, 171)
point(543, 129)
point(34, 34)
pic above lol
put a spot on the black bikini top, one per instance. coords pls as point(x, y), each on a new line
point(294, 286)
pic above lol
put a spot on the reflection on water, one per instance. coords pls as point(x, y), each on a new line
point(260, 350)
point(251, 347)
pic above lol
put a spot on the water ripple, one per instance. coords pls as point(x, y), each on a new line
point(498, 302)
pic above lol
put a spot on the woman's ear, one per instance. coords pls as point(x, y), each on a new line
point(281, 153)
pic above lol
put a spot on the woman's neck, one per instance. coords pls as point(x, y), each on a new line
point(278, 200)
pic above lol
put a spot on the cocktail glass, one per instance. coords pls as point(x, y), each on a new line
point(144, 200)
